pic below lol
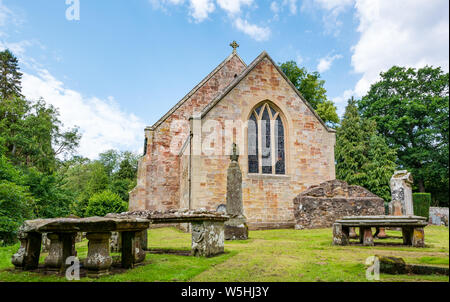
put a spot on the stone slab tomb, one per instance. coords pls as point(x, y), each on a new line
point(319, 206)
point(412, 228)
point(62, 233)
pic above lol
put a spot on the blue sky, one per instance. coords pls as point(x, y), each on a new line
point(123, 64)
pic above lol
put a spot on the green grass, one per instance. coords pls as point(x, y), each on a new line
point(272, 255)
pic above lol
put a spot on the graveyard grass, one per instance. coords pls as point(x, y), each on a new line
point(270, 255)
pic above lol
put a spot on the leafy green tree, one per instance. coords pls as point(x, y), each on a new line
point(311, 87)
point(411, 109)
point(362, 156)
point(105, 202)
point(10, 75)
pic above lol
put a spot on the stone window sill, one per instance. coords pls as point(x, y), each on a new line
point(268, 176)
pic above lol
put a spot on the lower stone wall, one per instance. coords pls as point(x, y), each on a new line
point(320, 206)
point(438, 216)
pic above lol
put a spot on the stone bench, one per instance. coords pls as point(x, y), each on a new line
point(62, 233)
point(412, 228)
point(207, 227)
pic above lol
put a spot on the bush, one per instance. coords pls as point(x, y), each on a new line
point(421, 203)
point(105, 202)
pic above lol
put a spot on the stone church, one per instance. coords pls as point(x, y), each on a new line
point(283, 144)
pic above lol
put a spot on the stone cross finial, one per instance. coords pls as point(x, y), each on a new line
point(235, 155)
point(234, 45)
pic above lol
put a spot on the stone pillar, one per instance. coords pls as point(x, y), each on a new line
point(144, 240)
point(365, 236)
point(236, 228)
point(418, 237)
point(132, 251)
point(62, 246)
point(401, 191)
point(116, 242)
point(27, 257)
point(352, 233)
point(207, 238)
point(45, 243)
point(340, 234)
point(98, 260)
point(407, 233)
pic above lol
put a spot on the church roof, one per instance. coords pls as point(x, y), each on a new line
point(246, 71)
point(199, 85)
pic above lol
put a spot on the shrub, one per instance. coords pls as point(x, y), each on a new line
point(421, 203)
point(105, 202)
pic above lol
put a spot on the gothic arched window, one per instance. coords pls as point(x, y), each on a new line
point(266, 141)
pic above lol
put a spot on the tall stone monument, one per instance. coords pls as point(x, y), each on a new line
point(236, 228)
point(401, 192)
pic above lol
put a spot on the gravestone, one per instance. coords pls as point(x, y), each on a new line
point(236, 228)
point(401, 192)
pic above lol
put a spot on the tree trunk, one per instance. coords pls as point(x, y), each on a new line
point(421, 186)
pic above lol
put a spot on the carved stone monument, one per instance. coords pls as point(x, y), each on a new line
point(401, 192)
point(236, 228)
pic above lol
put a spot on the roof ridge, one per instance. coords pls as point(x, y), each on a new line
point(193, 90)
point(244, 73)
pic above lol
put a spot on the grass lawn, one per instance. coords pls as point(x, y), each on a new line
point(272, 255)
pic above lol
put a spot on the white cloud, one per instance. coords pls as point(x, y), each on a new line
point(292, 4)
point(233, 6)
point(341, 101)
point(412, 33)
point(254, 31)
point(102, 123)
point(325, 63)
point(200, 9)
point(17, 48)
point(332, 9)
point(275, 7)
point(5, 14)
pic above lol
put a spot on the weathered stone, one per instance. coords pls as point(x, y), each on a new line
point(132, 251)
point(439, 216)
point(352, 233)
point(45, 243)
point(340, 234)
point(418, 237)
point(98, 261)
point(320, 206)
point(411, 226)
point(365, 234)
point(207, 238)
point(396, 266)
point(62, 246)
point(236, 228)
point(27, 257)
point(116, 242)
point(401, 192)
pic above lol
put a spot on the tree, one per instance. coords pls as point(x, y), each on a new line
point(10, 76)
point(105, 202)
point(311, 87)
point(362, 156)
point(411, 109)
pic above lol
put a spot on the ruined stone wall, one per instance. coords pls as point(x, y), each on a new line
point(438, 216)
point(320, 206)
point(309, 148)
point(159, 174)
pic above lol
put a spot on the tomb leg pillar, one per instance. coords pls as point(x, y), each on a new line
point(62, 246)
point(365, 236)
point(207, 238)
point(418, 237)
point(407, 233)
point(340, 234)
point(132, 251)
point(98, 261)
point(27, 257)
point(352, 233)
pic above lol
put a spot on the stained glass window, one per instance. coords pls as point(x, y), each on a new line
point(266, 140)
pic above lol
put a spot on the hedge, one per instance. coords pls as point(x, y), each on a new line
point(421, 203)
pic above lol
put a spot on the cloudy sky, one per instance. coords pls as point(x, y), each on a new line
point(120, 65)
